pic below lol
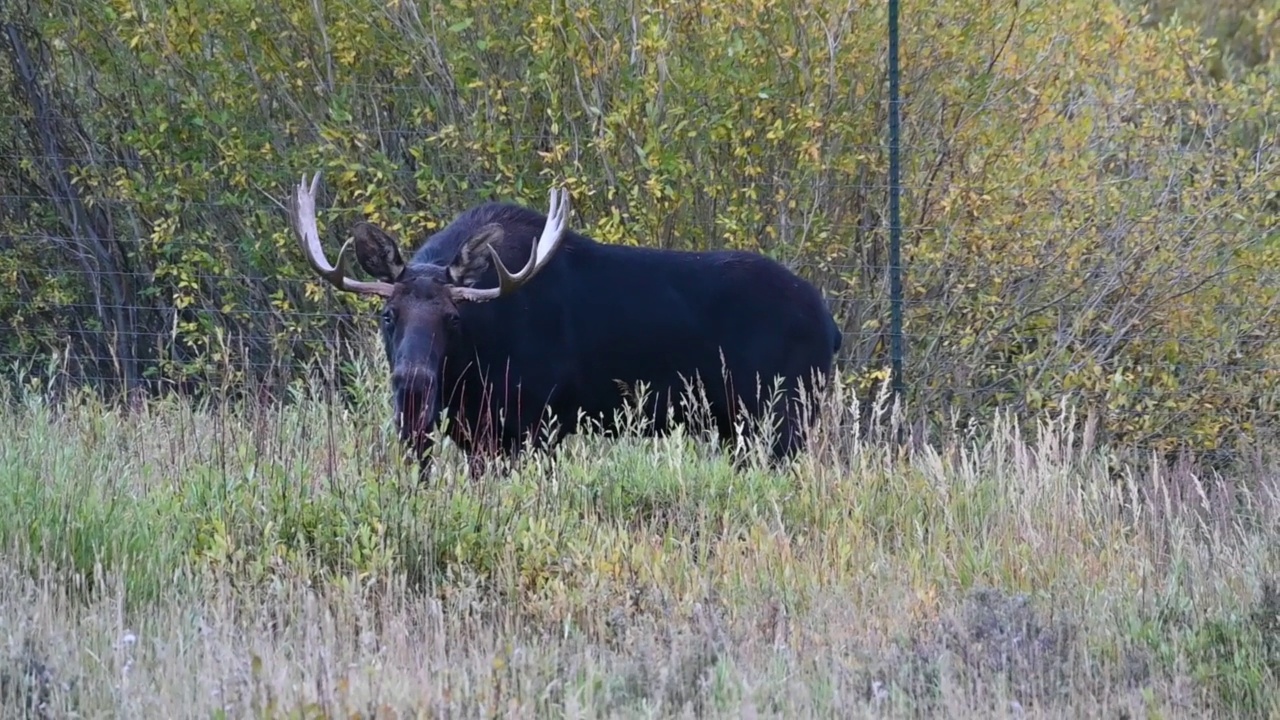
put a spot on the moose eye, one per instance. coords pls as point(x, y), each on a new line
point(388, 318)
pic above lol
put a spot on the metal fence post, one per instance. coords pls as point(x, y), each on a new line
point(895, 210)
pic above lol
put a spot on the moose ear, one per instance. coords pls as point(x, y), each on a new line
point(377, 252)
point(473, 259)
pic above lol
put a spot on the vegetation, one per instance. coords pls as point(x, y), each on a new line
point(1243, 34)
point(274, 560)
point(1092, 196)
point(1091, 188)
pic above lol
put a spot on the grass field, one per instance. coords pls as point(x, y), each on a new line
point(279, 561)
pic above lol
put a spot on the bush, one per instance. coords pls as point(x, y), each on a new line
point(1090, 205)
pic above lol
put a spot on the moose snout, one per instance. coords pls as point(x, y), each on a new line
point(414, 390)
point(412, 378)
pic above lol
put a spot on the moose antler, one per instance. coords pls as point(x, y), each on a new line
point(302, 212)
point(552, 235)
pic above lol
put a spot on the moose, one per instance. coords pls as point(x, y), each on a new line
point(496, 352)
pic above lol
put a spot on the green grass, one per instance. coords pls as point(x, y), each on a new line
point(280, 561)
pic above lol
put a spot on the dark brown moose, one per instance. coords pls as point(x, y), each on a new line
point(573, 332)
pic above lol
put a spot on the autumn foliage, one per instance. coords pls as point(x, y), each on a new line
point(1090, 198)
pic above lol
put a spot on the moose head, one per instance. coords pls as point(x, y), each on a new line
point(420, 318)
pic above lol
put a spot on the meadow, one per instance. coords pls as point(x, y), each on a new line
point(1091, 236)
point(278, 559)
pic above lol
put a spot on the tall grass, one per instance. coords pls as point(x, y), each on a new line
point(280, 560)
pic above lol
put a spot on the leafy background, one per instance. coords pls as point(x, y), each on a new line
point(1091, 188)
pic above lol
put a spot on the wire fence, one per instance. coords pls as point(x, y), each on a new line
point(1159, 304)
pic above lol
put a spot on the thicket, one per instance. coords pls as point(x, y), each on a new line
point(1091, 200)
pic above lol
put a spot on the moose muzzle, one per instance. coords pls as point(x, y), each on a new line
point(416, 393)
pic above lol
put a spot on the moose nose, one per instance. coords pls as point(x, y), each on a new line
point(411, 378)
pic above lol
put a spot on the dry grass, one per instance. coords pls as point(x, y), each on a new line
point(276, 562)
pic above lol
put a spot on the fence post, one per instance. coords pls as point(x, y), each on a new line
point(895, 211)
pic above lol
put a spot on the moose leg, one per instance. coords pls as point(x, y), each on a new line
point(787, 436)
point(483, 447)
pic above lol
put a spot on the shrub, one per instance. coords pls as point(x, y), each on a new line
point(1090, 206)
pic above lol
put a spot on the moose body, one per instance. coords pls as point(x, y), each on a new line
point(581, 326)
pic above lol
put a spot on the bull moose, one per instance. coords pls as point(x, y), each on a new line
point(494, 350)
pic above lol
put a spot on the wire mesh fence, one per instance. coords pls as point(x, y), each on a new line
point(1091, 226)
